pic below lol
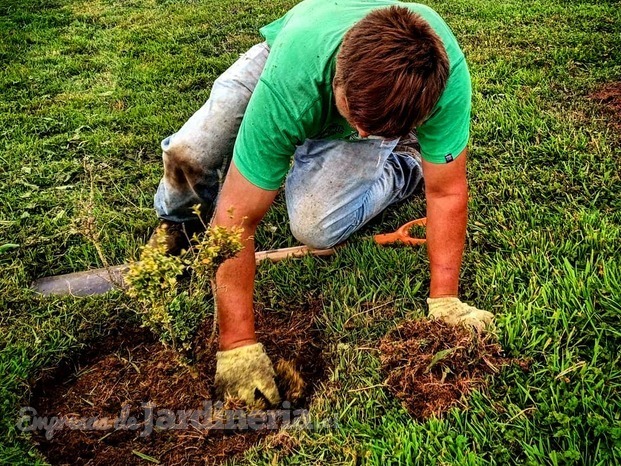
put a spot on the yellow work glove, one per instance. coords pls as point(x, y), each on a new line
point(454, 312)
point(246, 373)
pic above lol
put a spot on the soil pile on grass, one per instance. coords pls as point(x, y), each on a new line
point(430, 365)
point(113, 380)
point(610, 96)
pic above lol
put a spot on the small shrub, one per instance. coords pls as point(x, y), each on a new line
point(154, 282)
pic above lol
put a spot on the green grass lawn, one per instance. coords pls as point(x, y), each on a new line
point(89, 88)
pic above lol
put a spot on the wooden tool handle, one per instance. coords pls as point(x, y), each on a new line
point(99, 281)
point(276, 255)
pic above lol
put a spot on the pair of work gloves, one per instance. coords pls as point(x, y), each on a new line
point(247, 372)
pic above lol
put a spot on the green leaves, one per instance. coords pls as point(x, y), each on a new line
point(440, 355)
point(153, 282)
point(8, 247)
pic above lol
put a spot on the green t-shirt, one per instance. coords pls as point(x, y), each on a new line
point(293, 100)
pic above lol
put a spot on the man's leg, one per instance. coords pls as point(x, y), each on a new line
point(197, 157)
point(336, 187)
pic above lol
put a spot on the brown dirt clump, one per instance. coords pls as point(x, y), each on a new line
point(609, 96)
point(430, 365)
point(124, 385)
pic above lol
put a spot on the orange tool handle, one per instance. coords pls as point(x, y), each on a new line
point(402, 235)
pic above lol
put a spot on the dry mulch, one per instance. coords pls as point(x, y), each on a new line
point(430, 366)
point(130, 368)
point(609, 96)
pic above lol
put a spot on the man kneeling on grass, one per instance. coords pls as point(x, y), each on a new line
point(350, 103)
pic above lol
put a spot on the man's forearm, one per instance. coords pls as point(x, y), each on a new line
point(240, 204)
point(234, 297)
point(447, 216)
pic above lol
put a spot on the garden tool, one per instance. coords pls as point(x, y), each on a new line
point(99, 281)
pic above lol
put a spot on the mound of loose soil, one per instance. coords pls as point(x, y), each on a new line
point(610, 96)
point(124, 383)
point(430, 365)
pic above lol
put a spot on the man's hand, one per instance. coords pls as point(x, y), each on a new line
point(454, 312)
point(247, 373)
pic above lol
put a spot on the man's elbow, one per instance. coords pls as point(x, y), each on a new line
point(457, 191)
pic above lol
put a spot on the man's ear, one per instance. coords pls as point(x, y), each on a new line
point(346, 102)
point(341, 100)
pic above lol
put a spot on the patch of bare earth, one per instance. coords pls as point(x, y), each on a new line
point(609, 95)
point(430, 365)
point(113, 380)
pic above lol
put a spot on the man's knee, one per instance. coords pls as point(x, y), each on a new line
point(312, 236)
point(181, 162)
point(313, 230)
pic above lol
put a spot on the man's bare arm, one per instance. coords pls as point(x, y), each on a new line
point(446, 189)
point(239, 203)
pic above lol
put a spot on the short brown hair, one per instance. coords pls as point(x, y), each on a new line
point(393, 68)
